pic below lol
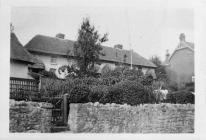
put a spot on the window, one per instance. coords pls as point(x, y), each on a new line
point(53, 60)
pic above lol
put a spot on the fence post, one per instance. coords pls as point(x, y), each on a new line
point(65, 108)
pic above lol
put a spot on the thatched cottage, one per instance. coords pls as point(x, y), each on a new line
point(57, 51)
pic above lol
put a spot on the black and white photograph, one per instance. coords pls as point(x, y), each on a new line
point(106, 69)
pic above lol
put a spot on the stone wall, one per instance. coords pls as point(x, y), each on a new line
point(148, 118)
point(29, 116)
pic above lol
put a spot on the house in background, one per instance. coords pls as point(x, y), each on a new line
point(55, 52)
point(180, 65)
point(20, 59)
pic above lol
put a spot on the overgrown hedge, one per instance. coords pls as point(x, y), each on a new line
point(119, 86)
point(129, 92)
point(98, 93)
point(79, 94)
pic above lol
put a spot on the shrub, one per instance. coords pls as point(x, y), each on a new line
point(91, 81)
point(97, 93)
point(110, 81)
point(116, 73)
point(25, 95)
point(147, 80)
point(114, 95)
point(79, 94)
point(135, 93)
point(129, 92)
point(112, 89)
point(52, 87)
point(130, 74)
point(105, 70)
point(181, 97)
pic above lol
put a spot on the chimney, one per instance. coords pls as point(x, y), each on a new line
point(182, 37)
point(118, 46)
point(60, 35)
point(167, 57)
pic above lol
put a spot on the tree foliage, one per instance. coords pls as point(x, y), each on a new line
point(87, 48)
point(160, 70)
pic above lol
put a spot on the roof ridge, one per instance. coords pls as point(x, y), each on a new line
point(53, 37)
point(177, 49)
point(48, 44)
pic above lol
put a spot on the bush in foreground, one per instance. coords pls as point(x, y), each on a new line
point(79, 94)
point(181, 97)
point(129, 92)
point(97, 93)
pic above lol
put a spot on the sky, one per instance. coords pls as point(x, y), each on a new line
point(150, 31)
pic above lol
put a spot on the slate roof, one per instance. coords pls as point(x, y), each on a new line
point(18, 52)
point(183, 45)
point(53, 45)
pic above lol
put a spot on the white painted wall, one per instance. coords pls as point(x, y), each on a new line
point(19, 70)
point(112, 66)
point(60, 61)
point(144, 70)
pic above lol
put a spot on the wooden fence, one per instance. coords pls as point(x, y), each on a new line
point(21, 84)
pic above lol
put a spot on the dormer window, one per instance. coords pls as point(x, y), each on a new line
point(53, 60)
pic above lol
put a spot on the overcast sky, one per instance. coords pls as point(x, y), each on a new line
point(151, 31)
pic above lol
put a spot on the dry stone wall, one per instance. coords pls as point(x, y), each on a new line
point(29, 116)
point(147, 118)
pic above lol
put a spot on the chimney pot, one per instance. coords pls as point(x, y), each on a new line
point(167, 57)
point(60, 35)
point(182, 37)
point(118, 46)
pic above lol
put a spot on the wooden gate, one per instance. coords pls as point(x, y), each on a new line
point(59, 114)
point(28, 90)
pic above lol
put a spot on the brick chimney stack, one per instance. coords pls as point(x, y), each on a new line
point(182, 40)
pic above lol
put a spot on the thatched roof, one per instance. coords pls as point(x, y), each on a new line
point(53, 45)
point(18, 52)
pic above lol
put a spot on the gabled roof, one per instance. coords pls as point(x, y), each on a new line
point(53, 45)
point(182, 46)
point(18, 52)
point(50, 45)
